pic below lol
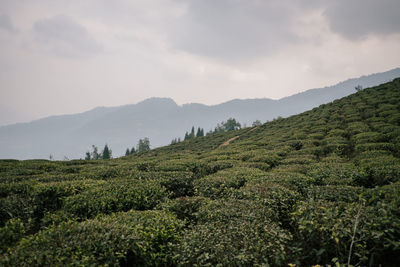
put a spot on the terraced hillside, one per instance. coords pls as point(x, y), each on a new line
point(322, 187)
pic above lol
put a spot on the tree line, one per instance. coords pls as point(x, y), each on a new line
point(230, 125)
point(106, 153)
point(143, 145)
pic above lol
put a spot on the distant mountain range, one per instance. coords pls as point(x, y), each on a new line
point(159, 119)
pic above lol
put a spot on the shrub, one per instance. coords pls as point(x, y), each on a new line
point(133, 238)
point(179, 186)
point(185, 208)
point(225, 182)
point(10, 233)
point(235, 231)
point(325, 230)
point(118, 195)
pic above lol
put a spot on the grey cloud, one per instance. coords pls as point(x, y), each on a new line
point(234, 30)
point(358, 18)
point(65, 37)
point(5, 23)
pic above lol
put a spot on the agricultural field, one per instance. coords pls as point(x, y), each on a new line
point(321, 187)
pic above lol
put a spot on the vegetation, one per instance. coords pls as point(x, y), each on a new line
point(142, 146)
point(95, 154)
point(321, 187)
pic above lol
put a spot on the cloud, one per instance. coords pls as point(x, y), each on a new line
point(358, 18)
point(242, 30)
point(233, 30)
point(6, 24)
point(65, 37)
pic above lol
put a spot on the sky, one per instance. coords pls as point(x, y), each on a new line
point(63, 57)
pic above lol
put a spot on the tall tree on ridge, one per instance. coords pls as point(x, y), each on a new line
point(106, 152)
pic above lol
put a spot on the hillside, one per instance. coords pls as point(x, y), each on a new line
point(160, 119)
point(321, 187)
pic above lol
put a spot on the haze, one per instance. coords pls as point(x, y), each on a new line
point(60, 57)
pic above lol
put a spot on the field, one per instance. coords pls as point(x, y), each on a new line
point(321, 187)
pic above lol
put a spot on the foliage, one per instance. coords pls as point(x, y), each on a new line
point(133, 238)
point(233, 232)
point(143, 145)
point(321, 187)
point(106, 153)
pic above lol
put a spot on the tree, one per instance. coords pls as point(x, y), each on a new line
point(186, 136)
point(175, 141)
point(95, 153)
point(87, 157)
point(106, 152)
point(358, 88)
point(133, 151)
point(192, 133)
point(219, 128)
point(231, 124)
point(200, 132)
point(256, 123)
point(127, 152)
point(143, 145)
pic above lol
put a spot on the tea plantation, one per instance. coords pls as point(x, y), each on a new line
point(321, 187)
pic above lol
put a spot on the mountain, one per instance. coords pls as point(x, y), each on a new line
point(319, 188)
point(9, 115)
point(160, 119)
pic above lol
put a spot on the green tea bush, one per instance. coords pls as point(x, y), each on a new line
point(140, 238)
point(272, 159)
point(280, 198)
point(328, 173)
point(15, 206)
point(335, 193)
point(235, 232)
point(18, 188)
point(118, 195)
point(217, 186)
point(326, 230)
point(375, 174)
point(10, 233)
point(179, 186)
point(225, 182)
point(367, 137)
point(185, 208)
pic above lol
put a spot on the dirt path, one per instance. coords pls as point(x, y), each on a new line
point(255, 128)
point(229, 140)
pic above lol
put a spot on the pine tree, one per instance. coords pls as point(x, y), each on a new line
point(186, 136)
point(87, 157)
point(127, 152)
point(133, 151)
point(106, 152)
point(192, 133)
point(95, 153)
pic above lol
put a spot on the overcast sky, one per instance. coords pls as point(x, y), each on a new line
point(59, 56)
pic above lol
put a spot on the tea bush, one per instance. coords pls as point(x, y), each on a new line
point(133, 238)
point(121, 195)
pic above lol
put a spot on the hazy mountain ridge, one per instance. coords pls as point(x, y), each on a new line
point(160, 119)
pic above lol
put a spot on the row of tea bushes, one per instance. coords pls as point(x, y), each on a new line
point(139, 238)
